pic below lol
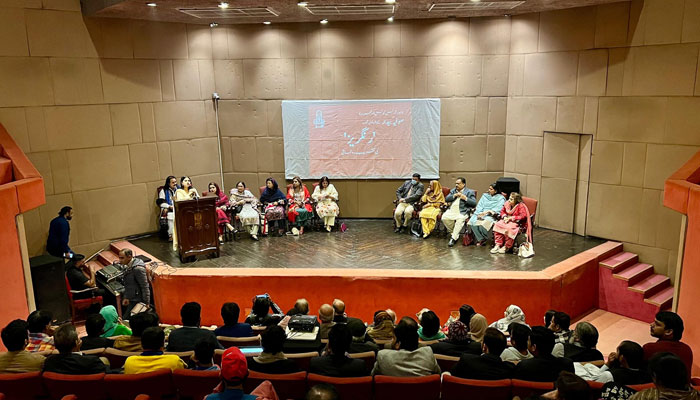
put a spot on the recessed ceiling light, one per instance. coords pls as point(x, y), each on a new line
point(267, 22)
point(223, 5)
point(390, 1)
point(151, 4)
point(475, 1)
point(506, 15)
point(213, 25)
point(390, 19)
point(303, 3)
point(324, 21)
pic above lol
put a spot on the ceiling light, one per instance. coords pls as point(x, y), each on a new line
point(390, 1)
point(390, 19)
point(151, 4)
point(223, 5)
point(506, 15)
point(324, 21)
point(475, 1)
point(213, 25)
point(267, 22)
point(303, 3)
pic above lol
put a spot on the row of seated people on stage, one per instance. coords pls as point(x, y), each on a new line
point(507, 348)
point(501, 213)
point(273, 207)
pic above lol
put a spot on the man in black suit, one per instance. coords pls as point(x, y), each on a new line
point(335, 362)
point(184, 339)
point(70, 360)
point(488, 366)
point(544, 367)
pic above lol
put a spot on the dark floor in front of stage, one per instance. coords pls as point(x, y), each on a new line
point(373, 244)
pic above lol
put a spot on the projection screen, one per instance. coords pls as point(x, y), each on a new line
point(361, 139)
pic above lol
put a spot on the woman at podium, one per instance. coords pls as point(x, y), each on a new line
point(186, 192)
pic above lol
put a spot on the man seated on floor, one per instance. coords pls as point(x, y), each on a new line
point(519, 335)
point(301, 307)
point(136, 288)
point(70, 360)
point(234, 372)
point(95, 327)
point(325, 314)
point(335, 362)
point(139, 322)
point(670, 378)
point(583, 349)
point(624, 367)
point(560, 326)
point(232, 328)
point(488, 366)
point(203, 357)
point(668, 329)
point(544, 367)
point(81, 277)
point(152, 357)
point(406, 358)
point(339, 311)
point(407, 195)
point(272, 360)
point(361, 342)
point(184, 339)
point(17, 360)
point(462, 200)
point(40, 331)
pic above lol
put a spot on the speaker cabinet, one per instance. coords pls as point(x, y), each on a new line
point(49, 280)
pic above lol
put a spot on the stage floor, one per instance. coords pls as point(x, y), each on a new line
point(372, 244)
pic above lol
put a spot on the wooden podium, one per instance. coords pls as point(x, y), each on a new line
point(195, 221)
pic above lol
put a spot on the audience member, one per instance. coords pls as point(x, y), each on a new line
point(519, 335)
point(466, 312)
point(668, 329)
point(139, 322)
point(94, 326)
point(335, 362)
point(392, 314)
point(136, 287)
point(458, 342)
point(513, 314)
point(17, 359)
point(624, 367)
point(272, 360)
point(234, 372)
point(568, 386)
point(543, 367)
point(301, 307)
point(113, 323)
point(406, 358)
point(560, 326)
point(70, 360)
point(152, 358)
point(548, 315)
point(670, 378)
point(361, 342)
point(339, 311)
point(203, 357)
point(260, 314)
point(184, 339)
point(583, 349)
point(406, 196)
point(462, 200)
point(59, 234)
point(325, 314)
point(429, 326)
point(487, 366)
point(383, 327)
point(82, 277)
point(232, 328)
point(40, 331)
point(322, 391)
point(477, 327)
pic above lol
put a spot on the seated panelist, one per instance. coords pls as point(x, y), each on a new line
point(274, 202)
point(486, 214)
point(513, 214)
point(407, 195)
point(300, 211)
point(325, 197)
point(222, 219)
point(462, 200)
point(245, 205)
point(432, 200)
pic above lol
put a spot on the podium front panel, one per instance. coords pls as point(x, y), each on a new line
point(195, 221)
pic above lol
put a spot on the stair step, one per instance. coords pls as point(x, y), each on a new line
point(662, 299)
point(5, 170)
point(620, 261)
point(635, 273)
point(651, 285)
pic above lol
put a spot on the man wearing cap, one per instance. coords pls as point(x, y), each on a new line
point(234, 371)
point(82, 277)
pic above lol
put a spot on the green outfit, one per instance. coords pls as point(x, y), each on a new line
point(112, 325)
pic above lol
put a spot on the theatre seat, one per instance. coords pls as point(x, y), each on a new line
point(524, 389)
point(303, 360)
point(70, 397)
point(596, 389)
point(419, 387)
point(253, 341)
point(83, 386)
point(287, 386)
point(80, 304)
point(368, 357)
point(194, 385)
point(454, 388)
point(118, 357)
point(157, 384)
point(184, 355)
point(24, 386)
point(644, 386)
point(348, 388)
point(446, 363)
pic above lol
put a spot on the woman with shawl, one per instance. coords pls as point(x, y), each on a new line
point(488, 208)
point(274, 202)
point(113, 324)
point(512, 314)
point(513, 214)
point(458, 341)
point(477, 327)
point(432, 200)
point(246, 206)
point(222, 219)
point(300, 211)
point(325, 197)
point(186, 192)
point(383, 327)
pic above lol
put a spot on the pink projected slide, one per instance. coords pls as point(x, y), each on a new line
point(364, 139)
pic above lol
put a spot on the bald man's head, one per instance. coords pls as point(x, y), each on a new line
point(325, 313)
point(302, 305)
point(339, 306)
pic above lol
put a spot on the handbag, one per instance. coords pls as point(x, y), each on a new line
point(526, 250)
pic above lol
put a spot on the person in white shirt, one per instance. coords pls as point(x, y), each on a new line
point(406, 358)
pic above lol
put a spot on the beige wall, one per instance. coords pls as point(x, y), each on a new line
point(107, 108)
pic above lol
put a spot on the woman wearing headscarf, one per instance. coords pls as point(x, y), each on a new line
point(432, 200)
point(246, 206)
point(383, 327)
point(477, 327)
point(300, 211)
point(185, 192)
point(458, 342)
point(113, 324)
point(512, 314)
point(325, 197)
point(487, 210)
point(274, 202)
point(222, 219)
point(514, 213)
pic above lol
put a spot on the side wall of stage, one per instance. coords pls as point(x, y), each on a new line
point(571, 286)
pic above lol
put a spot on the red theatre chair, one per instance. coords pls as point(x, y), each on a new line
point(419, 387)
point(24, 386)
point(367, 357)
point(253, 341)
point(157, 384)
point(348, 388)
point(641, 387)
point(302, 360)
point(118, 357)
point(83, 386)
point(454, 388)
point(287, 386)
point(66, 397)
point(446, 363)
point(596, 389)
point(81, 304)
point(524, 389)
point(194, 385)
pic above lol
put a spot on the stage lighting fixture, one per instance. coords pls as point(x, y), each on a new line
point(324, 21)
point(303, 3)
point(390, 19)
point(267, 22)
point(213, 25)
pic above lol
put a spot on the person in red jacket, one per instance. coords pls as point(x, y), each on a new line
point(668, 328)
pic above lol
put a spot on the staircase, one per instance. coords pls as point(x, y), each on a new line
point(631, 288)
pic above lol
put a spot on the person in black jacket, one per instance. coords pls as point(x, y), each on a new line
point(59, 234)
point(70, 360)
point(184, 339)
point(583, 348)
point(361, 342)
point(458, 341)
point(544, 367)
point(626, 366)
point(272, 360)
point(94, 326)
point(336, 362)
point(488, 366)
